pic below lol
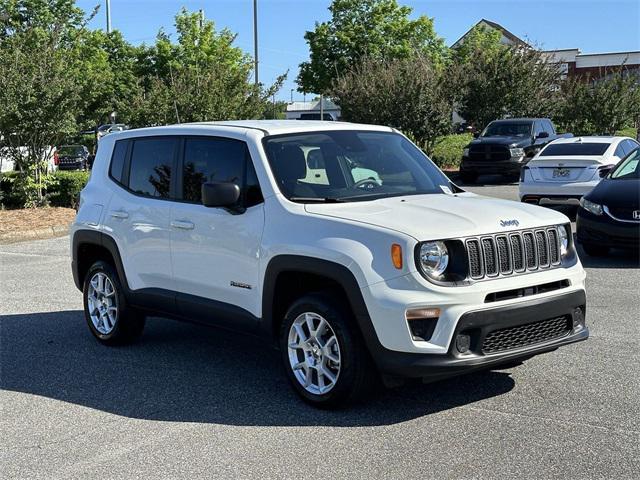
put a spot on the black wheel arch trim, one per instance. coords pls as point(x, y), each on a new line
point(325, 268)
point(92, 237)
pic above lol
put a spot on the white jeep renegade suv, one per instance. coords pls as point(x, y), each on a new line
point(398, 272)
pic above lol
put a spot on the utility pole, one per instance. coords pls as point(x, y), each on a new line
point(321, 107)
point(292, 95)
point(108, 16)
point(201, 12)
point(255, 40)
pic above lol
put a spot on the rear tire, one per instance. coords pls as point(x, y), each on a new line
point(111, 320)
point(323, 353)
point(595, 250)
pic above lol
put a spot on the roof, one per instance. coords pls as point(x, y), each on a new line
point(590, 139)
point(496, 26)
point(267, 127)
point(510, 120)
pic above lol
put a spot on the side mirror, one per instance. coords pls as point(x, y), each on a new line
point(543, 135)
point(220, 194)
point(476, 134)
point(603, 172)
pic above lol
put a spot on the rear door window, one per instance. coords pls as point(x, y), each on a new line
point(151, 166)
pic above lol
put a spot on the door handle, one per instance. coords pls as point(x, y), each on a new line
point(119, 214)
point(183, 225)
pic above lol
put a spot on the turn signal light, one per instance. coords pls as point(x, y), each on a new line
point(396, 255)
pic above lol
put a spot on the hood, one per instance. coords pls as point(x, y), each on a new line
point(515, 141)
point(440, 216)
point(623, 193)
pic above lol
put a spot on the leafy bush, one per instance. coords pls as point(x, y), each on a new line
point(628, 132)
point(62, 189)
point(66, 188)
point(447, 151)
point(10, 196)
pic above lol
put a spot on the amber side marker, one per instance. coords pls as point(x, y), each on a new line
point(396, 255)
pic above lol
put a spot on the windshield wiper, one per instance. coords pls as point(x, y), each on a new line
point(316, 200)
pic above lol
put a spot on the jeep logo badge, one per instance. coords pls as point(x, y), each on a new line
point(509, 223)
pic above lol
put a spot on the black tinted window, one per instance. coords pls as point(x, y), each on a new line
point(253, 195)
point(117, 160)
point(507, 129)
point(151, 164)
point(210, 160)
point(575, 149)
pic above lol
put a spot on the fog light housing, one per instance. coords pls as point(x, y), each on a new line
point(422, 322)
point(463, 343)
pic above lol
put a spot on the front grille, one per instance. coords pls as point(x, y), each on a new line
point(524, 335)
point(623, 213)
point(497, 153)
point(516, 252)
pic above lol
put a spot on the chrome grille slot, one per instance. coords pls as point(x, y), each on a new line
point(490, 257)
point(517, 250)
point(554, 246)
point(475, 259)
point(543, 248)
point(504, 256)
point(530, 250)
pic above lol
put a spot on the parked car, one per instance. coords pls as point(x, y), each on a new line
point(408, 276)
point(108, 128)
point(73, 157)
point(609, 215)
point(568, 168)
point(504, 146)
point(8, 158)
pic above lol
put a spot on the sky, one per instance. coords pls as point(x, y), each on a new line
point(593, 26)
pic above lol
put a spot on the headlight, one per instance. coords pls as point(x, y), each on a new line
point(434, 258)
point(517, 152)
point(465, 152)
point(594, 208)
point(564, 240)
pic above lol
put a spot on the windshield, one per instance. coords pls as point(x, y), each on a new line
point(70, 150)
point(504, 129)
point(627, 168)
point(575, 149)
point(350, 165)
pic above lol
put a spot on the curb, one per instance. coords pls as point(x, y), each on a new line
point(37, 234)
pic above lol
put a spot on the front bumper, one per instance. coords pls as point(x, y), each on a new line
point(602, 230)
point(478, 324)
point(71, 165)
point(493, 167)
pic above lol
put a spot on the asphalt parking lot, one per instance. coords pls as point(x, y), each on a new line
point(188, 401)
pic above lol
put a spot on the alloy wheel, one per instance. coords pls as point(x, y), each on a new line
point(314, 353)
point(102, 303)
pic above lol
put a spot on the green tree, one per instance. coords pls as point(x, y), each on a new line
point(405, 93)
point(510, 81)
point(358, 28)
point(603, 106)
point(200, 77)
point(40, 85)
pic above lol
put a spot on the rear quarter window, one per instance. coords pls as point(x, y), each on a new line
point(118, 158)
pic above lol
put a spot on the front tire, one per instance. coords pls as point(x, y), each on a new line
point(324, 356)
point(106, 311)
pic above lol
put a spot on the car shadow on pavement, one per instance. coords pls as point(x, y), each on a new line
point(613, 259)
point(188, 373)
